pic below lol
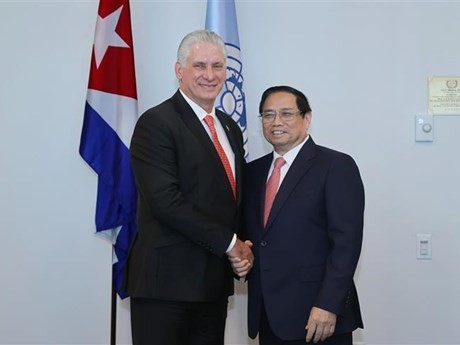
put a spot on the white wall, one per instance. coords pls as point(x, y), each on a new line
point(364, 66)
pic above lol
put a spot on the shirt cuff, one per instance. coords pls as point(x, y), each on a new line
point(232, 244)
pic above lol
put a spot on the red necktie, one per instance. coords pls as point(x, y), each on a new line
point(220, 151)
point(272, 187)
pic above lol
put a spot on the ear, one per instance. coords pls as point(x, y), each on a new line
point(178, 70)
point(308, 118)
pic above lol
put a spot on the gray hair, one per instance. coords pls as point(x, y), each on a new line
point(195, 37)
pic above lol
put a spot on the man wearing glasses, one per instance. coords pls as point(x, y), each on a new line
point(304, 207)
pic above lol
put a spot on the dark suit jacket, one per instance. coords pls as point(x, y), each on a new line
point(308, 252)
point(186, 211)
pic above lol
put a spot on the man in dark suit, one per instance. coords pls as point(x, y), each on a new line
point(179, 275)
point(307, 239)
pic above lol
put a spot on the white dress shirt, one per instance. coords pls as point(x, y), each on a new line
point(289, 159)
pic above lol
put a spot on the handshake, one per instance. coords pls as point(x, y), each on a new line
point(241, 257)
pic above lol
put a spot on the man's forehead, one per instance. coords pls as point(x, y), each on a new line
point(206, 50)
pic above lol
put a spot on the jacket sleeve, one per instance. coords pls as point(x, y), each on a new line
point(345, 211)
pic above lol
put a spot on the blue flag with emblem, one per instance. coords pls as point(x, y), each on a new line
point(221, 18)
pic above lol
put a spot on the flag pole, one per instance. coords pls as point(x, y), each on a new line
point(113, 317)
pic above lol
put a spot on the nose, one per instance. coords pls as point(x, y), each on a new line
point(208, 73)
point(277, 120)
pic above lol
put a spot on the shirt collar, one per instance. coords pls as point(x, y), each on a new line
point(292, 153)
point(200, 112)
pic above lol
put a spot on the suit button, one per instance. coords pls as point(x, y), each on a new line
point(263, 243)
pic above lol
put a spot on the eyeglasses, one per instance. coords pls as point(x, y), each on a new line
point(284, 115)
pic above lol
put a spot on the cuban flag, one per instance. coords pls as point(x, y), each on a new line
point(109, 119)
point(221, 18)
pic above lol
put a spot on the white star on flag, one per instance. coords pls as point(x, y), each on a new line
point(106, 36)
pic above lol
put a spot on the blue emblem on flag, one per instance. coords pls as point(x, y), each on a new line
point(232, 99)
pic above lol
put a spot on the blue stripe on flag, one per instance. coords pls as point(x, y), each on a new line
point(103, 150)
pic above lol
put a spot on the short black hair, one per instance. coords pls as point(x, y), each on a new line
point(301, 99)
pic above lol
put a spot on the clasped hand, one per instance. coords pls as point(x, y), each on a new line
point(241, 257)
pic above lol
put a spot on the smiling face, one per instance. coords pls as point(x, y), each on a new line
point(285, 134)
point(202, 76)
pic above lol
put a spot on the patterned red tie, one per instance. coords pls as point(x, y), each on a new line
point(272, 187)
point(220, 151)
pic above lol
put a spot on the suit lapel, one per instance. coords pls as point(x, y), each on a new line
point(196, 128)
point(301, 165)
point(193, 123)
point(261, 185)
